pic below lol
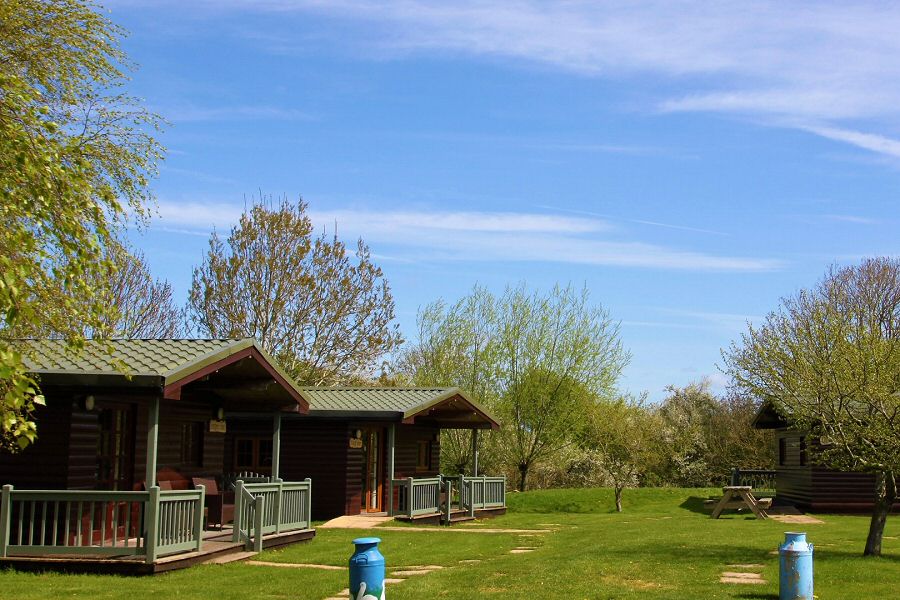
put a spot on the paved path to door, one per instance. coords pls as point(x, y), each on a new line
point(361, 521)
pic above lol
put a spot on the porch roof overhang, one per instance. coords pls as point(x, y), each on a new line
point(236, 372)
point(446, 408)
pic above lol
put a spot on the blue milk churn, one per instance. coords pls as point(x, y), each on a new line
point(367, 570)
point(796, 572)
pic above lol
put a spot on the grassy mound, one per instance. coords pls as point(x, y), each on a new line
point(602, 500)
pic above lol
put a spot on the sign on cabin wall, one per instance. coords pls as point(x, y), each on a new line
point(217, 426)
point(356, 443)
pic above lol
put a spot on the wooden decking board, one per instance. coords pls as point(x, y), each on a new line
point(215, 549)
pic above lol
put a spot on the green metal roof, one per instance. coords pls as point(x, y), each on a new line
point(146, 362)
point(162, 358)
point(399, 401)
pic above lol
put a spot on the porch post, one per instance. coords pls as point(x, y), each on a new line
point(392, 447)
point(152, 439)
point(276, 446)
point(474, 453)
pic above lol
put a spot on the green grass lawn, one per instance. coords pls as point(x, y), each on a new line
point(663, 546)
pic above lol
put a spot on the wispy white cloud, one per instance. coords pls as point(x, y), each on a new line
point(638, 221)
point(868, 141)
point(730, 322)
point(823, 63)
point(852, 219)
point(482, 236)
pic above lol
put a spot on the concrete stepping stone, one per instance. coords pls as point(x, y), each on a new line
point(228, 558)
point(264, 563)
point(470, 561)
point(741, 578)
point(341, 595)
point(746, 566)
point(413, 572)
point(521, 550)
point(393, 580)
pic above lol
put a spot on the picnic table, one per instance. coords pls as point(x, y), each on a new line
point(741, 496)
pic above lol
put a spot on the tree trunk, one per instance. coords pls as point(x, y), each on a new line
point(618, 499)
point(523, 475)
point(885, 495)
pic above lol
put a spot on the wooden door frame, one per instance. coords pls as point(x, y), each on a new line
point(130, 449)
point(379, 471)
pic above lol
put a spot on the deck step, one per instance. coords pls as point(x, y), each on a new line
point(229, 558)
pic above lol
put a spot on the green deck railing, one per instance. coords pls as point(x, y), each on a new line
point(274, 507)
point(151, 524)
point(481, 493)
point(442, 495)
point(416, 497)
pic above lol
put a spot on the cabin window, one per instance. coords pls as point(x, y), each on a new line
point(424, 460)
point(782, 451)
point(192, 444)
point(253, 454)
point(803, 452)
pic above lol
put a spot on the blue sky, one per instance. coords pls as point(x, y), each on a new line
point(690, 163)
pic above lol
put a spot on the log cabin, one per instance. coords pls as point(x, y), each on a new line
point(372, 450)
point(130, 455)
point(801, 482)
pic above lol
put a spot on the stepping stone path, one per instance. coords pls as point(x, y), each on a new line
point(417, 570)
point(405, 572)
point(263, 563)
point(744, 577)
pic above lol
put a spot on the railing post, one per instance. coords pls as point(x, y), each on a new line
point(448, 489)
point(277, 508)
point(462, 490)
point(198, 516)
point(309, 498)
point(238, 511)
point(260, 510)
point(152, 524)
point(504, 491)
point(5, 516)
point(409, 497)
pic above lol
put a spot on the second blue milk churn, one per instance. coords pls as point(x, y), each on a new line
point(367, 570)
point(796, 568)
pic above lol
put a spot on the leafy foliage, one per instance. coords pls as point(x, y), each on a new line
point(75, 156)
point(537, 360)
point(326, 317)
point(828, 359)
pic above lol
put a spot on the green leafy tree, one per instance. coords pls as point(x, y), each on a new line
point(538, 360)
point(828, 359)
point(326, 316)
point(624, 437)
point(456, 346)
point(76, 154)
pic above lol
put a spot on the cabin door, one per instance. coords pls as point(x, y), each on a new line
point(372, 470)
point(115, 448)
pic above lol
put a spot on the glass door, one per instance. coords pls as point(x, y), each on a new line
point(115, 448)
point(372, 470)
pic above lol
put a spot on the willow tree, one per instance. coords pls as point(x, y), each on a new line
point(828, 360)
point(324, 313)
point(537, 360)
point(75, 157)
point(456, 346)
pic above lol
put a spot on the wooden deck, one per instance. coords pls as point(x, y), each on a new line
point(456, 516)
point(217, 548)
